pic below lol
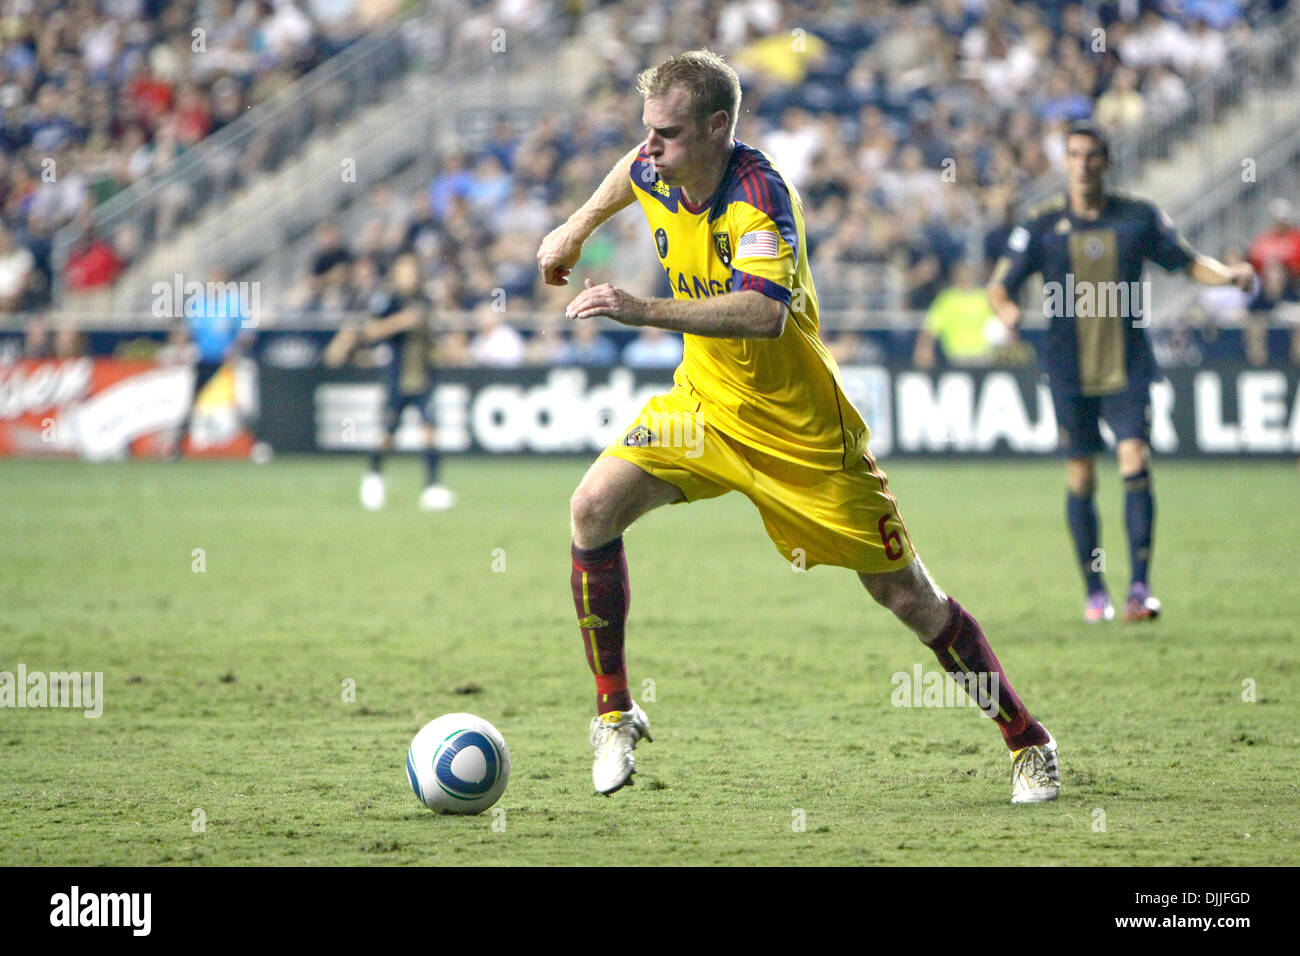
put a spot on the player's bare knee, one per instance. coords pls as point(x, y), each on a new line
point(1133, 456)
point(1081, 477)
point(592, 513)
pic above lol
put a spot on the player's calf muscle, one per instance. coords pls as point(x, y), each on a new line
point(912, 597)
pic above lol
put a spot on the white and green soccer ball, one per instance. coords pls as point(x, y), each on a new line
point(458, 763)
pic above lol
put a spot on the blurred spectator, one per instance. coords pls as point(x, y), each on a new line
point(452, 180)
point(1122, 105)
point(793, 145)
point(854, 348)
point(16, 267)
point(69, 342)
point(179, 349)
point(489, 186)
point(653, 348)
point(1166, 92)
point(588, 346)
point(549, 341)
point(92, 264)
point(780, 58)
point(37, 340)
point(453, 350)
point(961, 322)
point(330, 270)
point(497, 344)
point(1280, 242)
point(1276, 301)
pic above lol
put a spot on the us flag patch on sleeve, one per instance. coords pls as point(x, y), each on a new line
point(757, 244)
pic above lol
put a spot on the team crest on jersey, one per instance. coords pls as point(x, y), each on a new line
point(722, 242)
point(661, 240)
point(638, 437)
point(1063, 225)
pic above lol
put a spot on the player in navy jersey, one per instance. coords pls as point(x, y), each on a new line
point(1090, 245)
point(400, 316)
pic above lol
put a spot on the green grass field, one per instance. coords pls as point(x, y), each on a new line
point(223, 688)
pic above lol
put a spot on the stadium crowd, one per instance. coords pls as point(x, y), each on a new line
point(911, 130)
point(95, 95)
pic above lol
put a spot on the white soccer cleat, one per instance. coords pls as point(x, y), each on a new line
point(372, 491)
point(1035, 777)
point(615, 735)
point(437, 498)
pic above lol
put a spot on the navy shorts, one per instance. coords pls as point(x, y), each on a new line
point(1128, 413)
point(397, 402)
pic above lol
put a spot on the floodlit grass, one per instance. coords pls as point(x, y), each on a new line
point(226, 739)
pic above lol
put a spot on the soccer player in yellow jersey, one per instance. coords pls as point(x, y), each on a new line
point(757, 407)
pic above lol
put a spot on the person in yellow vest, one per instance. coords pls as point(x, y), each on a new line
point(961, 322)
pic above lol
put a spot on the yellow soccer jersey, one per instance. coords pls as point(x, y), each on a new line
point(782, 396)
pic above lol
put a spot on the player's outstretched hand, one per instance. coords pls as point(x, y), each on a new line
point(558, 255)
point(1242, 275)
point(608, 300)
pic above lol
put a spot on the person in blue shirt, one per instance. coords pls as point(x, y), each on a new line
point(220, 324)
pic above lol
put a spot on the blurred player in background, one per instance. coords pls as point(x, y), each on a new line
point(220, 327)
point(758, 407)
point(1090, 245)
point(401, 316)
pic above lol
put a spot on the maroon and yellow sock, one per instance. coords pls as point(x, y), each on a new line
point(601, 595)
point(963, 650)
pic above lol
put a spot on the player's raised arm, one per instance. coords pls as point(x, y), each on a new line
point(746, 314)
point(562, 246)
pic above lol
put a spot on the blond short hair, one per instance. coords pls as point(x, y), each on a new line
point(712, 84)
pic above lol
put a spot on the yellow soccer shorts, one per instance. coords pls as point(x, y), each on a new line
point(845, 518)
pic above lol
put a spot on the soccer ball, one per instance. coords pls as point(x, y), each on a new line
point(458, 764)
